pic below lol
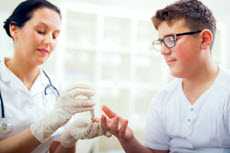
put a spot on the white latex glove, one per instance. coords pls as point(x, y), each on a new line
point(70, 102)
point(77, 129)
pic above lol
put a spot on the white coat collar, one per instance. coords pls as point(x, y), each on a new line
point(10, 78)
point(4, 72)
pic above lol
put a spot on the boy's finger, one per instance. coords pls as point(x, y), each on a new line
point(108, 111)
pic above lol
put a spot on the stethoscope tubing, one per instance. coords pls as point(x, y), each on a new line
point(50, 85)
point(2, 106)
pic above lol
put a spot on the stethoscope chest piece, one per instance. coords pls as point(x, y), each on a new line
point(4, 126)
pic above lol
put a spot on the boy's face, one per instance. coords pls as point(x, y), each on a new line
point(182, 59)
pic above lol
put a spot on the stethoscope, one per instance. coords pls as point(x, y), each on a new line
point(3, 122)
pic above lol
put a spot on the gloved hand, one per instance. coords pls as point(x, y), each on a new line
point(78, 129)
point(70, 102)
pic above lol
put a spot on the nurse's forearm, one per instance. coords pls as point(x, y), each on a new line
point(56, 147)
point(60, 149)
point(23, 142)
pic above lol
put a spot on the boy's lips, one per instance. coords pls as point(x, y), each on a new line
point(170, 60)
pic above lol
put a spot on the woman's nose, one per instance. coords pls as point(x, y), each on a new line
point(48, 39)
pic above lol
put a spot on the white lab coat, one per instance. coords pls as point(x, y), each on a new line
point(23, 106)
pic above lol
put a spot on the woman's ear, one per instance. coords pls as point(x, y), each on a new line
point(13, 30)
point(206, 39)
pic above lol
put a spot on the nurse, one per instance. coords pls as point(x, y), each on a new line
point(31, 108)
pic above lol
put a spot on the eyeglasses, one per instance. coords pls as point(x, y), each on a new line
point(170, 40)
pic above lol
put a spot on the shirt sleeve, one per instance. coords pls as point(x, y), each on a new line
point(155, 134)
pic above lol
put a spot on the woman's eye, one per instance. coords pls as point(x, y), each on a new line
point(41, 32)
point(55, 36)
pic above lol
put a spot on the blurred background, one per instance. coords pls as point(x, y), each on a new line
point(107, 43)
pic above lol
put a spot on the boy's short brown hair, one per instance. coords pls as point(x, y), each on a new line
point(196, 15)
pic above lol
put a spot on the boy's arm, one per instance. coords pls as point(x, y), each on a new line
point(119, 127)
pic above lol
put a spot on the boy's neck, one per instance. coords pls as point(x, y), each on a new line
point(196, 85)
point(202, 76)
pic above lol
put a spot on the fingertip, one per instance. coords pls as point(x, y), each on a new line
point(91, 93)
point(108, 111)
point(103, 107)
point(83, 92)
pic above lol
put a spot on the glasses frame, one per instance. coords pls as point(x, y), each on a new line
point(174, 38)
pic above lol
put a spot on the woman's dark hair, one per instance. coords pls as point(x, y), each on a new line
point(24, 11)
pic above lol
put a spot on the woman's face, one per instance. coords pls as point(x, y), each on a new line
point(36, 40)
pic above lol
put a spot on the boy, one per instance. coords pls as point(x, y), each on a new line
point(192, 113)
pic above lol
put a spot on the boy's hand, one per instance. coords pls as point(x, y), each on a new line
point(116, 125)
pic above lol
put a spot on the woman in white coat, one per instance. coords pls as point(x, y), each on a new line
point(31, 108)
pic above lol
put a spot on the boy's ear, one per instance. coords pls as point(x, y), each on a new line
point(206, 38)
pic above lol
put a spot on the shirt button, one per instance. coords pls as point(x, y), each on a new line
point(189, 120)
point(191, 109)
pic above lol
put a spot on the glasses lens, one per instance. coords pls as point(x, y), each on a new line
point(157, 45)
point(169, 41)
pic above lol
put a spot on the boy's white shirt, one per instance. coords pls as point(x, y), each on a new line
point(176, 125)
